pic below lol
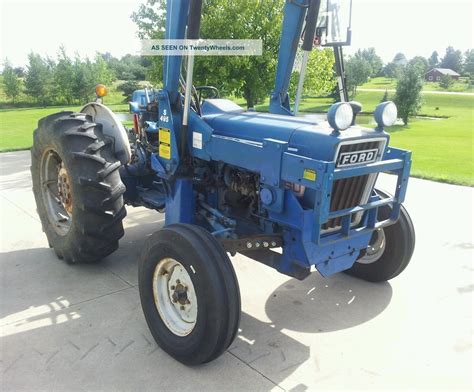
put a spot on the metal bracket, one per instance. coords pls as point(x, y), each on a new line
point(252, 243)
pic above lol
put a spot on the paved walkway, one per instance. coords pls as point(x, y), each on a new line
point(81, 327)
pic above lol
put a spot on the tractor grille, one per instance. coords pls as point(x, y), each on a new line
point(350, 192)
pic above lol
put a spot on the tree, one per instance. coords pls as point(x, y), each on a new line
point(127, 88)
point(446, 82)
point(421, 63)
point(408, 94)
point(102, 73)
point(452, 59)
point(400, 59)
point(372, 58)
point(395, 67)
point(251, 77)
point(39, 77)
point(357, 73)
point(19, 71)
point(64, 76)
point(468, 67)
point(391, 70)
point(84, 81)
point(433, 61)
point(385, 97)
point(11, 82)
point(319, 77)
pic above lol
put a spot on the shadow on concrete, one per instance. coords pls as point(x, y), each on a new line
point(319, 304)
point(82, 317)
point(57, 312)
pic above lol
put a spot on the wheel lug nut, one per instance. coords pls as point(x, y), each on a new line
point(172, 287)
point(249, 245)
point(265, 244)
point(274, 243)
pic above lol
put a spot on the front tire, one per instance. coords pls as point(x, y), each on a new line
point(77, 187)
point(389, 251)
point(189, 293)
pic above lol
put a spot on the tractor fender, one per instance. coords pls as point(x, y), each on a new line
point(112, 127)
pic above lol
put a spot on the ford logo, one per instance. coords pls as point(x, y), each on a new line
point(357, 157)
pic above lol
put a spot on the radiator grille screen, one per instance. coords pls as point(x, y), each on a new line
point(348, 192)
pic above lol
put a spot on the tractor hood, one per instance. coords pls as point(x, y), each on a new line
point(307, 137)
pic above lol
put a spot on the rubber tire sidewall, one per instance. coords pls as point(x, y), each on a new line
point(399, 247)
point(76, 246)
point(205, 341)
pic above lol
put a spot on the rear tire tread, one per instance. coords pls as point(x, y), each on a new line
point(96, 222)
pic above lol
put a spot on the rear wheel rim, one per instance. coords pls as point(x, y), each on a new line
point(175, 296)
point(56, 191)
point(375, 248)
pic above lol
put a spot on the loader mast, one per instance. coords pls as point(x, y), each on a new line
point(294, 15)
point(299, 15)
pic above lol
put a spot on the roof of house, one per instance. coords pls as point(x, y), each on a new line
point(445, 71)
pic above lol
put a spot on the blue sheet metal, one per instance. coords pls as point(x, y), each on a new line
point(279, 148)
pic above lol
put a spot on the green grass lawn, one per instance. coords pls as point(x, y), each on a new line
point(442, 148)
point(390, 84)
point(17, 126)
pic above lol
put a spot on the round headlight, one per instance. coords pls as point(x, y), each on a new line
point(385, 114)
point(340, 116)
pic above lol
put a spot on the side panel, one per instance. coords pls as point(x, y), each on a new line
point(180, 202)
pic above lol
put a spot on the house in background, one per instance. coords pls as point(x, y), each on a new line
point(435, 74)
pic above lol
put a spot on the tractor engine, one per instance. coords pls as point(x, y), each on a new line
point(239, 193)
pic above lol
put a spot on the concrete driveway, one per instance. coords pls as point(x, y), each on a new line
point(81, 327)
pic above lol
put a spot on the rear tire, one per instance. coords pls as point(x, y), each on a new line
point(206, 323)
point(77, 187)
point(398, 241)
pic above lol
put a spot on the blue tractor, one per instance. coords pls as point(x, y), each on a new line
point(287, 191)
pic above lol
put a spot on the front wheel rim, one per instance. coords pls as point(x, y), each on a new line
point(375, 248)
point(175, 296)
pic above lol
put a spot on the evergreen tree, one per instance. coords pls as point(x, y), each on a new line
point(63, 76)
point(84, 82)
point(38, 81)
point(385, 97)
point(468, 67)
point(452, 59)
point(102, 73)
point(433, 61)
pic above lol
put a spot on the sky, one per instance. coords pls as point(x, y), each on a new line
point(414, 27)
